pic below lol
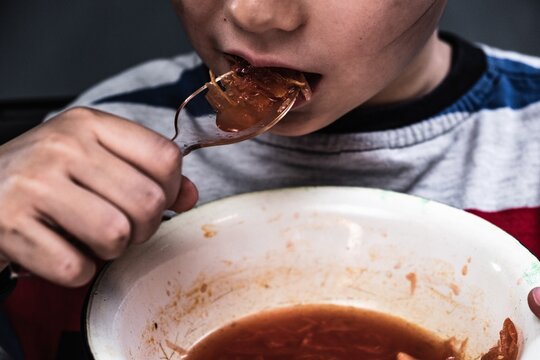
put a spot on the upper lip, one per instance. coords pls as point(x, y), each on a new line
point(259, 61)
point(313, 78)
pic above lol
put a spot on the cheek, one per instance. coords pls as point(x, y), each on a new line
point(178, 6)
point(375, 48)
point(372, 27)
point(199, 19)
point(197, 15)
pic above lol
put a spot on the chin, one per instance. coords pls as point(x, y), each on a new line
point(295, 126)
point(288, 131)
point(299, 123)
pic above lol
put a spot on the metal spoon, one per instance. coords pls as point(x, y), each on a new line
point(197, 131)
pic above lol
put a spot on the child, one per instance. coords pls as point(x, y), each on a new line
point(395, 105)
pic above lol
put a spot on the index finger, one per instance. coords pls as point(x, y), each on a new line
point(154, 155)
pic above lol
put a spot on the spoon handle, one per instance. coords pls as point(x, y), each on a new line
point(188, 140)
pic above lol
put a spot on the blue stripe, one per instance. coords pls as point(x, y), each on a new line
point(506, 84)
point(517, 87)
point(513, 67)
point(168, 95)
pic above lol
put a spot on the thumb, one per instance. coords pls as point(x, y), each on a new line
point(187, 196)
point(534, 301)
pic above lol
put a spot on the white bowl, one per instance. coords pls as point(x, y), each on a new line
point(352, 246)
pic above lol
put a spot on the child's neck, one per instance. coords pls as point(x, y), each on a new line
point(422, 76)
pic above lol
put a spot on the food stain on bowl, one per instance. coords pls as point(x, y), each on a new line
point(465, 268)
point(331, 246)
point(413, 280)
point(326, 331)
point(208, 294)
point(209, 231)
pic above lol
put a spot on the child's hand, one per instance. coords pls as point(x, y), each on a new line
point(534, 301)
point(85, 180)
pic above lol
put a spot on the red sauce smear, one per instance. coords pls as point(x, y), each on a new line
point(508, 347)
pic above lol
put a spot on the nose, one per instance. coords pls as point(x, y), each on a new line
point(259, 16)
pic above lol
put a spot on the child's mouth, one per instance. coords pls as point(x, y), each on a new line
point(312, 79)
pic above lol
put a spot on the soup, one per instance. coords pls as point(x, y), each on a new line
point(321, 332)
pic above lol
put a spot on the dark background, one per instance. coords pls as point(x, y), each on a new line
point(58, 48)
point(52, 50)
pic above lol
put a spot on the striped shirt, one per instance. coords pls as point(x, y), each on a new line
point(478, 150)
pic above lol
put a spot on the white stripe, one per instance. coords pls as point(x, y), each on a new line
point(498, 158)
point(149, 74)
point(511, 55)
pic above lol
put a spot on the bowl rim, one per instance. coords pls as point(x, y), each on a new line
point(102, 272)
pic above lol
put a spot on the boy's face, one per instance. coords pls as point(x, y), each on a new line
point(355, 51)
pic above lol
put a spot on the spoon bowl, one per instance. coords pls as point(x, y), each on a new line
point(194, 131)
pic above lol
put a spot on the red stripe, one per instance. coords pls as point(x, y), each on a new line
point(40, 312)
point(521, 223)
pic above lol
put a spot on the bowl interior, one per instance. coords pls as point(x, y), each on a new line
point(436, 266)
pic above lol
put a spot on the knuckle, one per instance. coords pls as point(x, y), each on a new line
point(85, 118)
point(11, 225)
point(14, 184)
point(80, 112)
point(170, 160)
point(23, 185)
point(170, 156)
point(60, 145)
point(116, 236)
point(71, 270)
point(28, 187)
point(152, 203)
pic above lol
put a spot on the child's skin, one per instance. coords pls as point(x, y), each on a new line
point(89, 172)
point(94, 175)
point(368, 52)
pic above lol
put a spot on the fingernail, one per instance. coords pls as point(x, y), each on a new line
point(536, 296)
point(534, 301)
